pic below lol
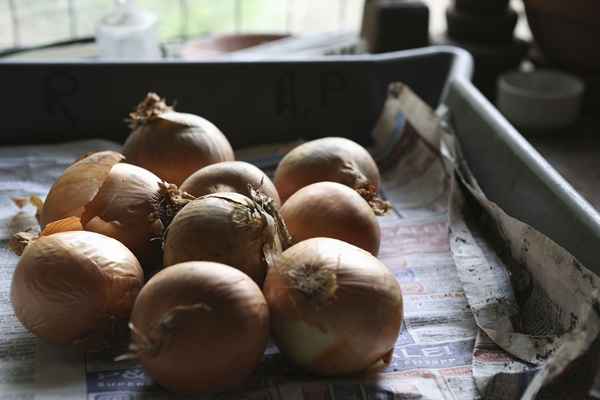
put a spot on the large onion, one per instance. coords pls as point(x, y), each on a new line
point(111, 197)
point(69, 287)
point(229, 228)
point(230, 176)
point(329, 209)
point(173, 145)
point(335, 309)
point(199, 327)
point(333, 159)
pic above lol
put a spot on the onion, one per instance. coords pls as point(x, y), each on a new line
point(110, 197)
point(229, 228)
point(329, 209)
point(199, 327)
point(70, 287)
point(333, 159)
point(335, 309)
point(173, 145)
point(230, 176)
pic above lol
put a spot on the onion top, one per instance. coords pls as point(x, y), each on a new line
point(173, 145)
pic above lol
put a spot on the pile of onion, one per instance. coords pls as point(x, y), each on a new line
point(230, 176)
point(173, 145)
point(112, 198)
point(335, 309)
point(333, 159)
point(199, 327)
point(329, 209)
point(71, 287)
point(229, 228)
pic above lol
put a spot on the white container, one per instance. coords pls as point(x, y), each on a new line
point(540, 100)
point(128, 33)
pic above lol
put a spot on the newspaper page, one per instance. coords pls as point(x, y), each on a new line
point(451, 346)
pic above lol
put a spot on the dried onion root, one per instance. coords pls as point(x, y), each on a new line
point(173, 145)
point(199, 327)
point(333, 159)
point(72, 287)
point(335, 309)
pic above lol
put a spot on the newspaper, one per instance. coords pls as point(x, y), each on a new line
point(493, 309)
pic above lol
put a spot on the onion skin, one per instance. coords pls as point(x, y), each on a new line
point(125, 210)
point(227, 228)
point(68, 286)
point(335, 309)
point(77, 186)
point(200, 327)
point(329, 209)
point(110, 197)
point(230, 176)
point(333, 159)
point(173, 145)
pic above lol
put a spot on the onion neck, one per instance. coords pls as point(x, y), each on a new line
point(168, 201)
point(149, 109)
point(19, 242)
point(378, 205)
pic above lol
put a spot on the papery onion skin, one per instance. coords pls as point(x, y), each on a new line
point(174, 145)
point(124, 209)
point(77, 186)
point(110, 197)
point(200, 327)
point(335, 309)
point(68, 286)
point(330, 209)
point(230, 176)
point(333, 159)
point(228, 228)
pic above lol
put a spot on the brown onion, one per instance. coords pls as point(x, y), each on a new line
point(333, 159)
point(335, 309)
point(329, 209)
point(69, 287)
point(199, 327)
point(228, 228)
point(173, 145)
point(110, 197)
point(230, 176)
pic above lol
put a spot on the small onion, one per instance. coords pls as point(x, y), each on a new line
point(230, 176)
point(329, 209)
point(335, 309)
point(112, 198)
point(227, 228)
point(69, 287)
point(333, 159)
point(199, 327)
point(173, 145)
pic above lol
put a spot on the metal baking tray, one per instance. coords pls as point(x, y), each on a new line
point(257, 102)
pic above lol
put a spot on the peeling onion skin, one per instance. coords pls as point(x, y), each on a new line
point(330, 209)
point(110, 197)
point(226, 228)
point(174, 145)
point(200, 327)
point(68, 286)
point(124, 209)
point(77, 186)
point(334, 308)
point(230, 176)
point(333, 159)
